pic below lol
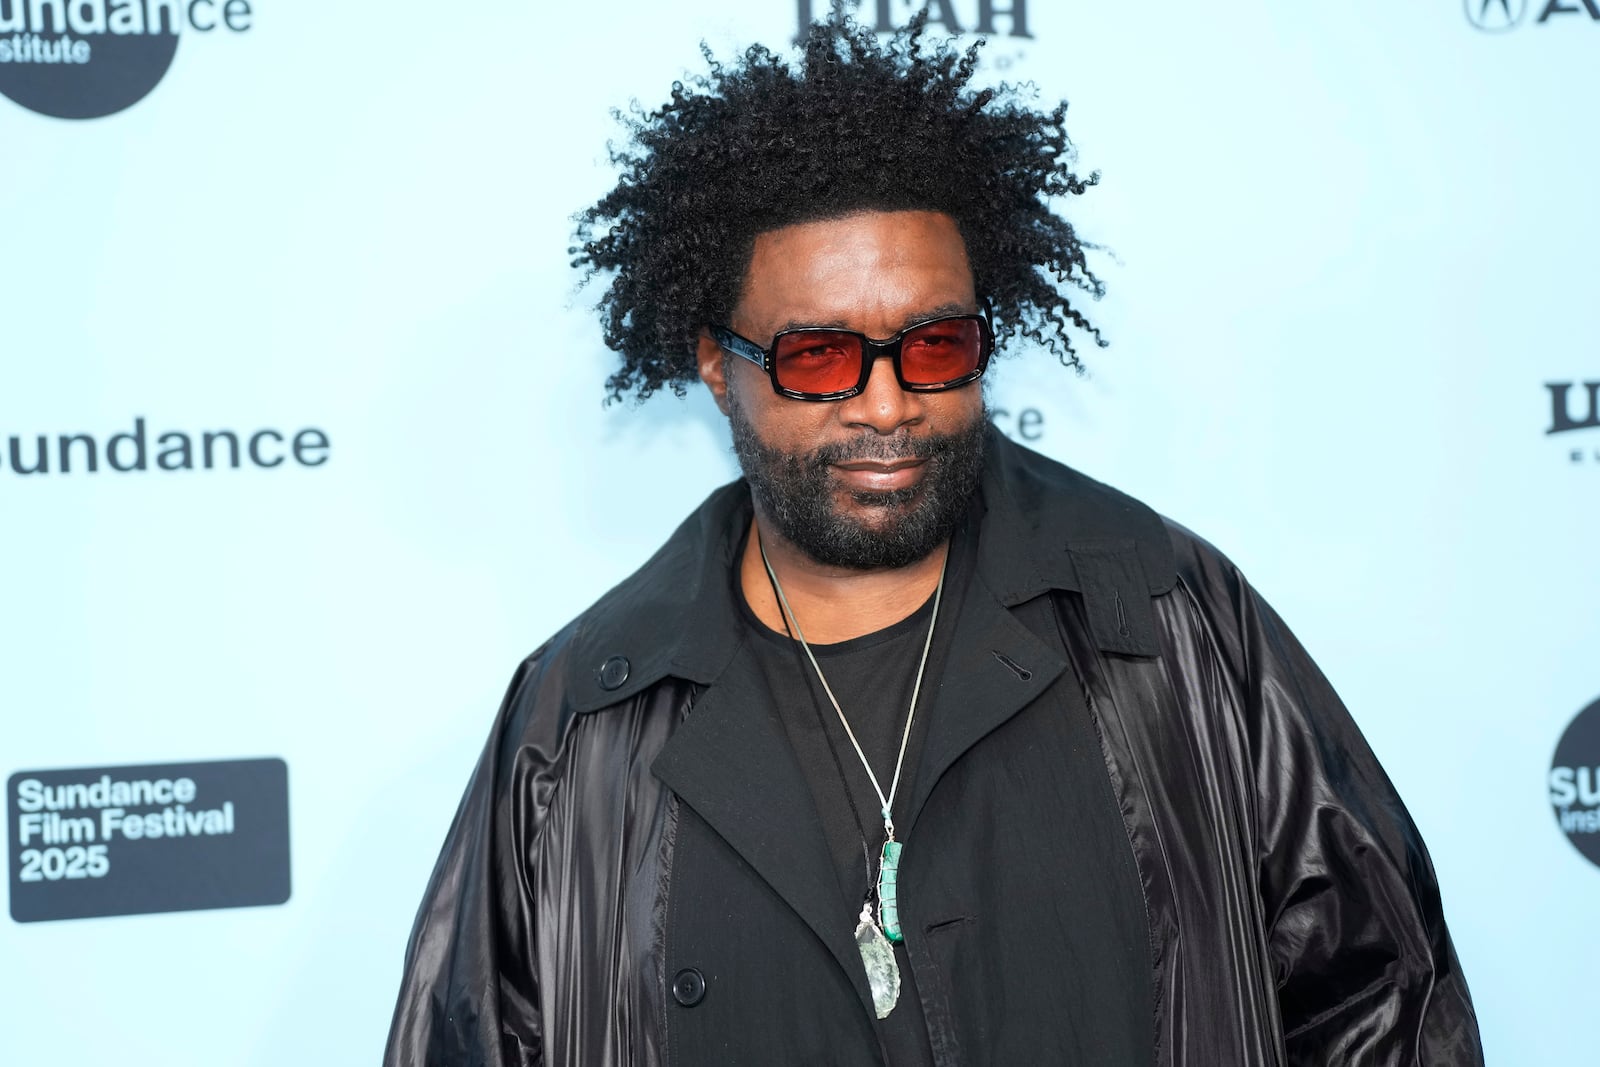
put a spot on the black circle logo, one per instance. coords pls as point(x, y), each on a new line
point(1496, 16)
point(83, 59)
point(1575, 783)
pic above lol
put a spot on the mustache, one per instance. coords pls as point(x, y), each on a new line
point(798, 490)
point(877, 447)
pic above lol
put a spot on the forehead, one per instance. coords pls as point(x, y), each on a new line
point(873, 271)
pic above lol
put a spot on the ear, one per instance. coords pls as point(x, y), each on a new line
point(710, 357)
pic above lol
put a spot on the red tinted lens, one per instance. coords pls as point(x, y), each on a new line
point(940, 352)
point(818, 361)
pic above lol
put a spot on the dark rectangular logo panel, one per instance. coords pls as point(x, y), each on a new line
point(134, 840)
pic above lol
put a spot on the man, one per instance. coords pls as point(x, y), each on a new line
point(912, 746)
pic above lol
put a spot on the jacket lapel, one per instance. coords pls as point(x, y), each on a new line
point(1047, 528)
point(995, 668)
point(731, 763)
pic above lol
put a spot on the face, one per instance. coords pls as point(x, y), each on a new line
point(881, 478)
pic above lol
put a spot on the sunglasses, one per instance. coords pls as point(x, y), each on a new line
point(822, 363)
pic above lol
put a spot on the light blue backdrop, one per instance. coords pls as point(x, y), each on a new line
point(1349, 245)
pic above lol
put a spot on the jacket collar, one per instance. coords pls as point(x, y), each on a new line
point(1045, 527)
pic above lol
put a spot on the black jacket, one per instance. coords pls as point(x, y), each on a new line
point(637, 873)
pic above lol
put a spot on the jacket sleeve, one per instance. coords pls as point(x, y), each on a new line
point(468, 995)
point(1365, 970)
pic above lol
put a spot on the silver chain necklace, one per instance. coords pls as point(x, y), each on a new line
point(874, 939)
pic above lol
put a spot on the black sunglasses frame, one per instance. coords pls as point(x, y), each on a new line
point(871, 352)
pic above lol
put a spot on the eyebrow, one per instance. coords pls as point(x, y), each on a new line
point(939, 312)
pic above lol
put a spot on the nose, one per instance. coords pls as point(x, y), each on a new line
point(882, 405)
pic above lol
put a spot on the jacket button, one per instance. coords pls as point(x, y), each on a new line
point(614, 672)
point(689, 987)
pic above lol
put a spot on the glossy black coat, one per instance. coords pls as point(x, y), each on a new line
point(637, 874)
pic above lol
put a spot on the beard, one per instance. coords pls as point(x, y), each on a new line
point(796, 492)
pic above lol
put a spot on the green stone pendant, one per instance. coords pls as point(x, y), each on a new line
point(888, 898)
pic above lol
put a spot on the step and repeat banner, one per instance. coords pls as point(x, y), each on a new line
point(303, 447)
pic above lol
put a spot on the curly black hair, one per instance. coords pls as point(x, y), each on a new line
point(855, 125)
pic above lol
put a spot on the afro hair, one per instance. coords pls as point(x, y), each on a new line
point(857, 124)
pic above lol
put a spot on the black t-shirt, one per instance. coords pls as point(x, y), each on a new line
point(872, 676)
